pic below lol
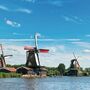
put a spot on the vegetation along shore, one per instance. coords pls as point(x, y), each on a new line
point(60, 70)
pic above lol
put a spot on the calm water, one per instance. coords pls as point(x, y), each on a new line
point(54, 83)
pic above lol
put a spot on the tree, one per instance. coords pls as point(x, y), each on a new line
point(61, 68)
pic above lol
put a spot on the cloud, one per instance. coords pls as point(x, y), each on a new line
point(4, 8)
point(12, 23)
point(73, 19)
point(82, 44)
point(31, 1)
point(19, 55)
point(86, 51)
point(56, 2)
point(88, 35)
point(19, 34)
point(32, 39)
point(57, 48)
point(23, 10)
point(73, 39)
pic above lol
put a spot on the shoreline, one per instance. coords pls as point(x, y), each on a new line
point(16, 75)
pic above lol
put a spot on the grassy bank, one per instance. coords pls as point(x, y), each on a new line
point(9, 75)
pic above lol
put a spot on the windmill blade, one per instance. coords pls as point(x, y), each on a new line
point(8, 55)
point(1, 49)
point(78, 64)
point(74, 55)
point(43, 50)
point(36, 49)
point(77, 58)
point(38, 59)
point(2, 57)
point(36, 36)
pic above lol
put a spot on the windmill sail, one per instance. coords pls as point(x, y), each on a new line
point(43, 50)
point(2, 59)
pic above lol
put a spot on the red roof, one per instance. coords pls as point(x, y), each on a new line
point(28, 48)
point(11, 69)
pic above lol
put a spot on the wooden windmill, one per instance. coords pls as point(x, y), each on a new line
point(74, 69)
point(74, 62)
point(2, 57)
point(32, 54)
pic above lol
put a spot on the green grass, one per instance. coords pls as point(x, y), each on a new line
point(9, 75)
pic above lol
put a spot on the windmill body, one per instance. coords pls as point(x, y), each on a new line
point(31, 59)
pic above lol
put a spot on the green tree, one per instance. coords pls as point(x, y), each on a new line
point(61, 68)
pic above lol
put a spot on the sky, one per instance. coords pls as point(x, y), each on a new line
point(63, 27)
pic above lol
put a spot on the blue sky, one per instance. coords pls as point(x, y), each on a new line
point(63, 26)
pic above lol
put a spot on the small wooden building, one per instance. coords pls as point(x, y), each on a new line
point(32, 71)
point(7, 69)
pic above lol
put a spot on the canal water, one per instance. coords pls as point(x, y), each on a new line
point(49, 83)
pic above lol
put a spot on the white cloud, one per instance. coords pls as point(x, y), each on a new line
point(15, 40)
point(88, 35)
point(67, 18)
point(82, 44)
point(18, 52)
point(32, 39)
point(54, 49)
point(20, 34)
point(24, 10)
point(4, 8)
point(73, 39)
point(86, 51)
point(33, 1)
point(56, 2)
point(12, 23)
point(74, 19)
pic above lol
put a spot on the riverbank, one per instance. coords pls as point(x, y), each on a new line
point(16, 75)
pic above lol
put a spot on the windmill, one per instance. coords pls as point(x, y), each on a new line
point(74, 69)
point(2, 57)
point(74, 62)
point(32, 54)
